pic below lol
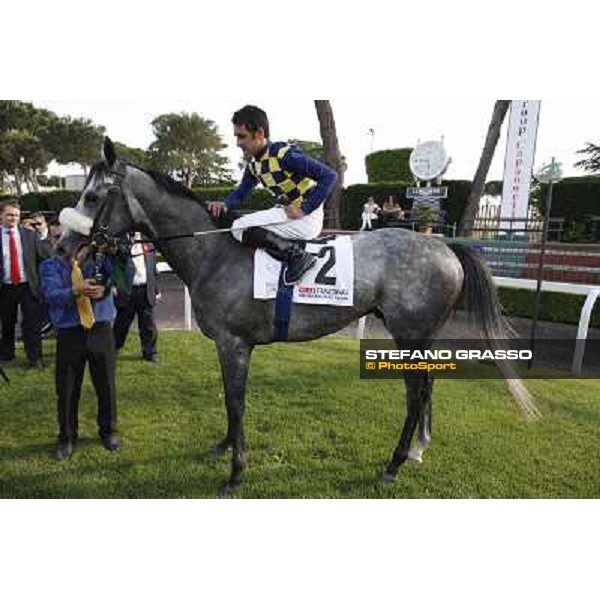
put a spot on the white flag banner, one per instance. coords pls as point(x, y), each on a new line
point(520, 153)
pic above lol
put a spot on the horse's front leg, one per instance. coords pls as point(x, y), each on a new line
point(234, 356)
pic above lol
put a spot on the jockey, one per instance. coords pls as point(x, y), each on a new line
point(299, 183)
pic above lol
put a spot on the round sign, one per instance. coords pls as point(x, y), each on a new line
point(428, 160)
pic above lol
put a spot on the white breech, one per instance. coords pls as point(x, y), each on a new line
point(306, 228)
point(366, 220)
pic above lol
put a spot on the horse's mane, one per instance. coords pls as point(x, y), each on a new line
point(169, 184)
point(161, 179)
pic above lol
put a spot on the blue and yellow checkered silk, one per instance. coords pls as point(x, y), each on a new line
point(287, 187)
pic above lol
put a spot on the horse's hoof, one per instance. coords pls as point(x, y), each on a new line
point(416, 455)
point(388, 478)
point(230, 490)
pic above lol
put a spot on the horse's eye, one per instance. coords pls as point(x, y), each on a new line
point(91, 197)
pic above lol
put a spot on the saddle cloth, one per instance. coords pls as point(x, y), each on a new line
point(330, 281)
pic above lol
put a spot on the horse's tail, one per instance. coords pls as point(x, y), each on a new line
point(483, 305)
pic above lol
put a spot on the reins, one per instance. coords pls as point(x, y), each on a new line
point(99, 230)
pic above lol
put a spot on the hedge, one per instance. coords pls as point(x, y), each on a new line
point(585, 190)
point(260, 198)
point(53, 201)
point(356, 195)
point(389, 165)
point(555, 307)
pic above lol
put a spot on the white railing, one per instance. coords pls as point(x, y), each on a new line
point(590, 291)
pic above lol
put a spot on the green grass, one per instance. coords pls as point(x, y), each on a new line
point(314, 429)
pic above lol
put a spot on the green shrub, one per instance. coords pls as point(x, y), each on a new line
point(389, 165)
point(53, 201)
point(426, 214)
point(572, 198)
point(56, 201)
point(260, 199)
point(555, 307)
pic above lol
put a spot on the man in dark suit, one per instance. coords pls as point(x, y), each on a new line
point(21, 253)
point(140, 300)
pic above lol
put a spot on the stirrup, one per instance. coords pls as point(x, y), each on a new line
point(309, 265)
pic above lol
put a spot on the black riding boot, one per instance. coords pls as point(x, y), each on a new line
point(290, 251)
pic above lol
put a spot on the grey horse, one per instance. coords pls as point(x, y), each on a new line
point(411, 281)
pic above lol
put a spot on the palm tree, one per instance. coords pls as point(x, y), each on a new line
point(489, 148)
point(592, 162)
point(333, 157)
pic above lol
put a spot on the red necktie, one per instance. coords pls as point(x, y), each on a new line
point(15, 272)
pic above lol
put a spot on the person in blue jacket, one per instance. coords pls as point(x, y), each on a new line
point(82, 336)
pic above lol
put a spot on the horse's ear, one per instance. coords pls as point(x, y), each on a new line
point(108, 152)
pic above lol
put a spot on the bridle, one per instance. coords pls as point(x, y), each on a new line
point(99, 231)
point(101, 241)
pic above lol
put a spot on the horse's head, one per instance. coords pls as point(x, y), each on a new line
point(102, 215)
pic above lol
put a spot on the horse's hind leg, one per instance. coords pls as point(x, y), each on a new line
point(415, 382)
point(416, 452)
